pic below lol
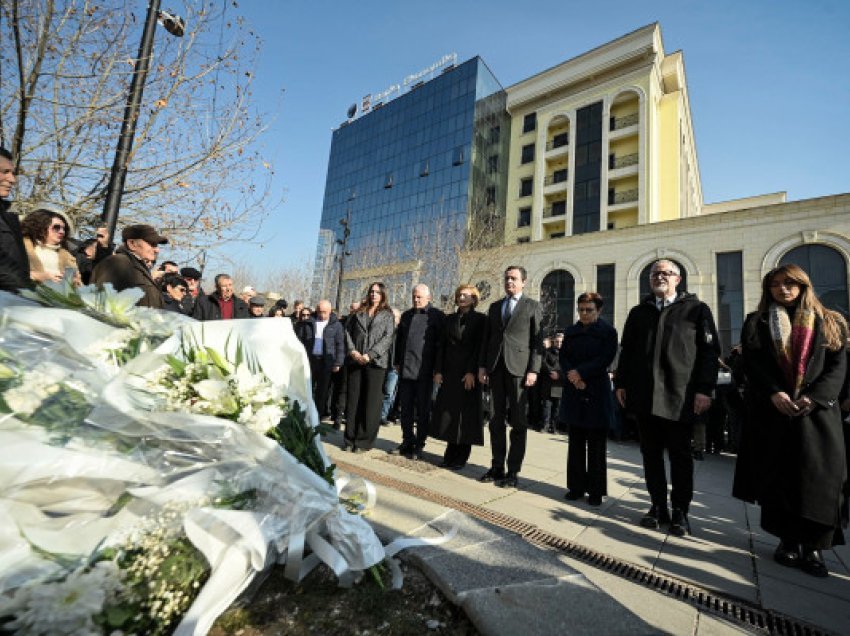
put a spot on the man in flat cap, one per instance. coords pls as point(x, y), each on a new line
point(193, 279)
point(130, 265)
point(257, 306)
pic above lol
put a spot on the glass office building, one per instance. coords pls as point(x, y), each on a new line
point(417, 179)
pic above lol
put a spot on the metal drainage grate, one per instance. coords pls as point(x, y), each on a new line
point(730, 608)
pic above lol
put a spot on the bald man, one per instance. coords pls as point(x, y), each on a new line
point(326, 349)
point(417, 337)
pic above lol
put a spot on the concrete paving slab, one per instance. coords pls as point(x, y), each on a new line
point(633, 547)
point(664, 614)
point(539, 513)
point(709, 568)
point(570, 605)
point(501, 562)
point(824, 610)
point(468, 532)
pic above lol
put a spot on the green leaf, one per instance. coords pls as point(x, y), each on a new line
point(118, 616)
point(177, 365)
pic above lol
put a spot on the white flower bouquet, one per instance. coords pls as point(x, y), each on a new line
point(169, 503)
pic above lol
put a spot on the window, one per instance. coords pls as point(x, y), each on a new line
point(730, 299)
point(559, 176)
point(527, 154)
point(525, 187)
point(490, 195)
point(605, 288)
point(523, 239)
point(495, 134)
point(555, 235)
point(458, 156)
point(523, 217)
point(557, 298)
point(559, 208)
point(529, 122)
point(492, 164)
point(561, 139)
point(828, 271)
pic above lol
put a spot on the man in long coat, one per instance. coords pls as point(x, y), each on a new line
point(666, 375)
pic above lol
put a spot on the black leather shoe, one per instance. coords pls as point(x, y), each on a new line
point(679, 524)
point(405, 450)
point(573, 495)
point(655, 516)
point(787, 554)
point(594, 500)
point(492, 475)
point(812, 563)
point(510, 481)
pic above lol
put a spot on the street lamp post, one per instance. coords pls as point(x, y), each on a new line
point(343, 243)
point(118, 175)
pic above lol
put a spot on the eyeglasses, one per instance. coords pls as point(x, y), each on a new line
point(58, 227)
point(787, 284)
point(663, 274)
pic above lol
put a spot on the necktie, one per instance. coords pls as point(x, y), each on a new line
point(506, 310)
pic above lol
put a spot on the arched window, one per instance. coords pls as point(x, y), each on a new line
point(646, 290)
point(557, 297)
point(828, 271)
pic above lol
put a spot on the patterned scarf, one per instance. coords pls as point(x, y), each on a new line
point(793, 343)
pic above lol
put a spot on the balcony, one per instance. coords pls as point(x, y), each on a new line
point(558, 146)
point(555, 211)
point(618, 123)
point(622, 199)
point(623, 166)
point(555, 182)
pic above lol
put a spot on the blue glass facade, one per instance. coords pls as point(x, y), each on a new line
point(420, 177)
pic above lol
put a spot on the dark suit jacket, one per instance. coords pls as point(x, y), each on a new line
point(14, 265)
point(518, 342)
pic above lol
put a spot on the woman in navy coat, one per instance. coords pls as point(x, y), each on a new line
point(587, 403)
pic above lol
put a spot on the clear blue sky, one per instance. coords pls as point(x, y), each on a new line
point(768, 81)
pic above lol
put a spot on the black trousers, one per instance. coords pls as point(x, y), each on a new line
point(321, 370)
point(363, 407)
point(656, 435)
point(415, 395)
point(457, 454)
point(587, 470)
point(508, 390)
point(339, 393)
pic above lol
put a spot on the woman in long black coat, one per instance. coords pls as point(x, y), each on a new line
point(587, 402)
point(457, 417)
point(792, 460)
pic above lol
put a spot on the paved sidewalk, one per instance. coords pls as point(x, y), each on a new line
point(505, 584)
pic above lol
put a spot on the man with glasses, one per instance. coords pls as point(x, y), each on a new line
point(130, 265)
point(14, 264)
point(174, 290)
point(666, 374)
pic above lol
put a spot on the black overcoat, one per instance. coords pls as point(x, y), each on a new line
point(796, 464)
point(667, 356)
point(457, 415)
point(590, 351)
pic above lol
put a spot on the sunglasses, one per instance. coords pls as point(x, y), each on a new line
point(58, 227)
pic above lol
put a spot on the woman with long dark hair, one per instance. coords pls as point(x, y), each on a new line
point(792, 461)
point(368, 336)
point(46, 241)
point(587, 402)
point(458, 417)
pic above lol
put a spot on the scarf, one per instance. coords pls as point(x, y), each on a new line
point(793, 343)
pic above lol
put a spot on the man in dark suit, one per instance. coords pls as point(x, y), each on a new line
point(417, 337)
point(510, 361)
point(14, 265)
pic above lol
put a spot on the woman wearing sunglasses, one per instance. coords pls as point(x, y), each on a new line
point(46, 241)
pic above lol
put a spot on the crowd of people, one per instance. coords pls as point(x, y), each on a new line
point(446, 375)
